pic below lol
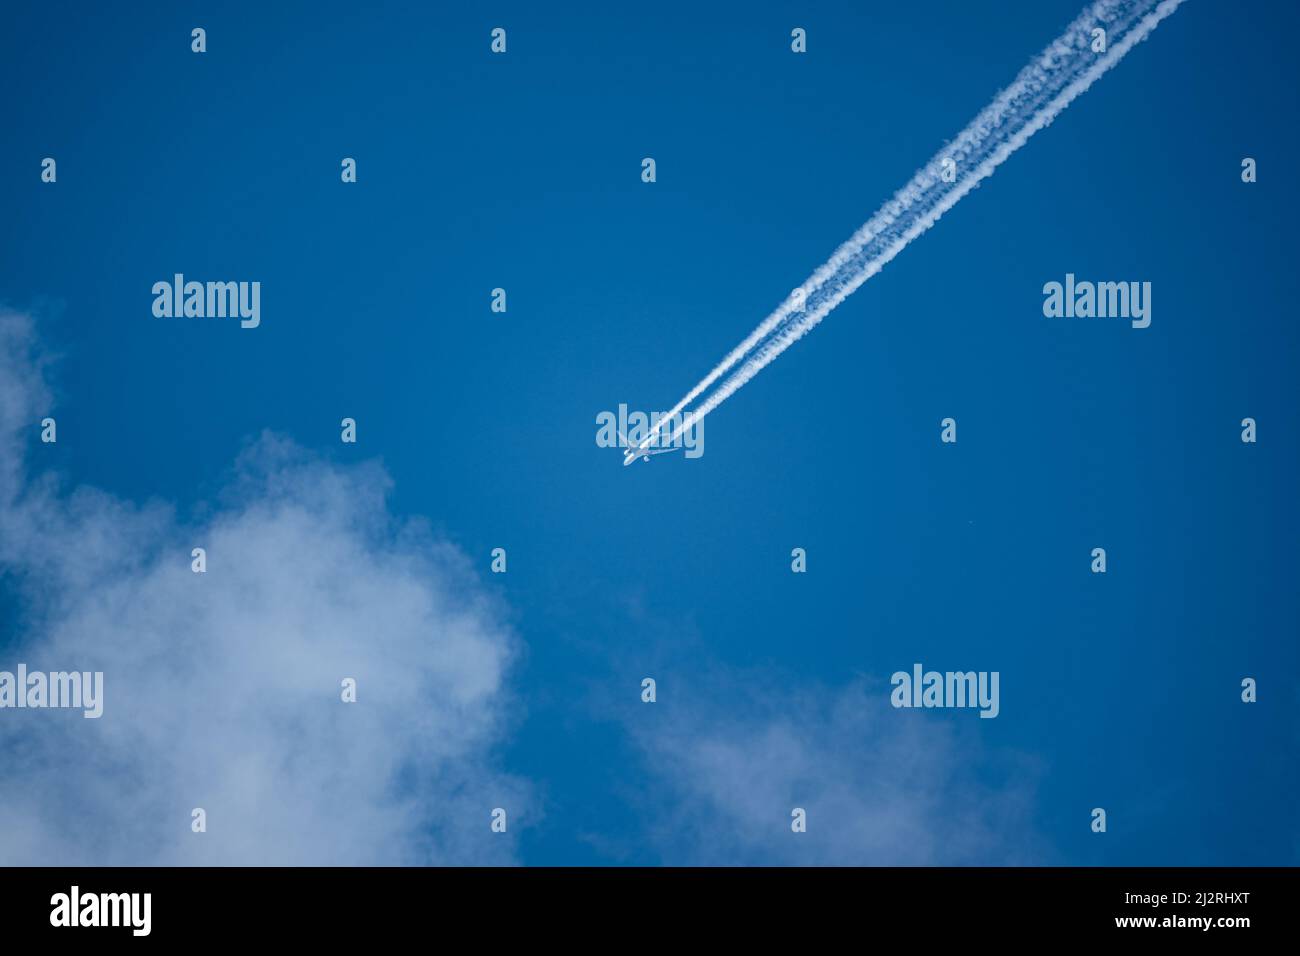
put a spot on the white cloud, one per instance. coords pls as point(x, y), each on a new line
point(880, 786)
point(222, 689)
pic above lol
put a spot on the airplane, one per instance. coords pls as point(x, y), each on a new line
point(632, 452)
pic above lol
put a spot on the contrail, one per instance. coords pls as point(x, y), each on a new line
point(1042, 90)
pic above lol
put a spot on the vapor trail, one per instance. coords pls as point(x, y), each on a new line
point(1042, 90)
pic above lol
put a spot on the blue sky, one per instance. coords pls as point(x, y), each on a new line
point(522, 171)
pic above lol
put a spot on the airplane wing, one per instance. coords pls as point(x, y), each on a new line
point(628, 446)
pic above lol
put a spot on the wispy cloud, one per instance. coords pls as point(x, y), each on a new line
point(222, 689)
point(739, 751)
